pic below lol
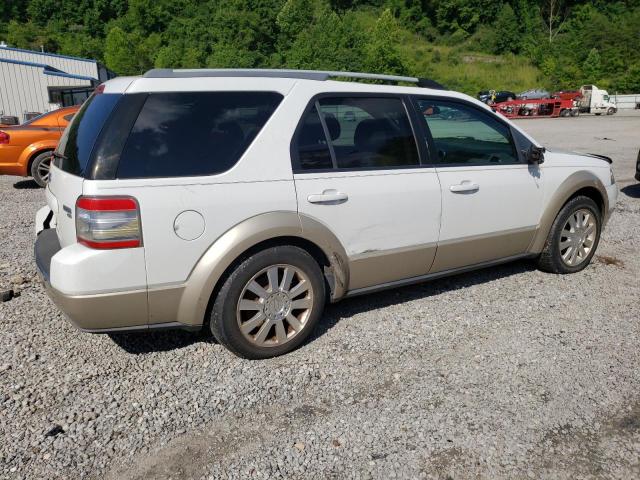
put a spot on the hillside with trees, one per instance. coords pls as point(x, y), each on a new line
point(464, 44)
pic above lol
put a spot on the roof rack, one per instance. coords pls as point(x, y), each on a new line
point(318, 75)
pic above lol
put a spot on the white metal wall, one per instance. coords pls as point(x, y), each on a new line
point(23, 88)
point(87, 68)
point(626, 101)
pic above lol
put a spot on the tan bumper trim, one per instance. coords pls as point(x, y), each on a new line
point(103, 311)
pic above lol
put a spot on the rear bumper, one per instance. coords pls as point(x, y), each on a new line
point(96, 313)
point(16, 169)
point(9, 161)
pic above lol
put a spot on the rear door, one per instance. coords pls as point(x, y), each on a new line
point(491, 198)
point(357, 170)
point(72, 161)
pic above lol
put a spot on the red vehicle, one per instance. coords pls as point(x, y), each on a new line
point(544, 108)
point(575, 95)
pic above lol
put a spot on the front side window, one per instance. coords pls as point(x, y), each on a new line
point(464, 135)
point(194, 133)
point(356, 133)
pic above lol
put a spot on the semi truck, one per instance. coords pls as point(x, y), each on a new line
point(596, 101)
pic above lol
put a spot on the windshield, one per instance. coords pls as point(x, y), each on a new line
point(76, 144)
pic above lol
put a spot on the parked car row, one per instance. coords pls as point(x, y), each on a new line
point(26, 149)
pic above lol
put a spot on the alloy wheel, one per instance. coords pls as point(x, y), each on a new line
point(578, 237)
point(43, 170)
point(275, 305)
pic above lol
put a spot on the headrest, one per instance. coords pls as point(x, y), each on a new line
point(333, 125)
point(373, 133)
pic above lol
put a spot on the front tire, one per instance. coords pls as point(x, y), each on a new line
point(269, 304)
point(40, 168)
point(573, 238)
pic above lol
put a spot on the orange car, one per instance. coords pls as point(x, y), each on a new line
point(25, 149)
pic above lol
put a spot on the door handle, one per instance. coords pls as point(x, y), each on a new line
point(328, 197)
point(465, 187)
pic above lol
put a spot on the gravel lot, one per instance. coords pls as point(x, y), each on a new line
point(502, 373)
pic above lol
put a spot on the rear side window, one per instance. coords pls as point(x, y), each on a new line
point(79, 138)
point(313, 149)
point(359, 132)
point(194, 133)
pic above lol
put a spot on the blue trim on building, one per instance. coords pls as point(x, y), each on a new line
point(48, 69)
point(70, 75)
point(50, 54)
point(29, 64)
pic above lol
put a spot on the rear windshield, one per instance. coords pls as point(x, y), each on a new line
point(193, 133)
point(80, 136)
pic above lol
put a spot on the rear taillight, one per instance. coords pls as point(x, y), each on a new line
point(108, 222)
point(4, 138)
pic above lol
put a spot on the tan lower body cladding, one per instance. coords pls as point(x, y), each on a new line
point(377, 268)
point(482, 248)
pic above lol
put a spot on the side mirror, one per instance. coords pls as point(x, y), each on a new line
point(535, 155)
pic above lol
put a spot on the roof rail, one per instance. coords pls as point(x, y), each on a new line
point(275, 73)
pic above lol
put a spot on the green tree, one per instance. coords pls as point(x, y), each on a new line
point(382, 55)
point(130, 53)
point(295, 16)
point(592, 67)
point(507, 34)
point(331, 42)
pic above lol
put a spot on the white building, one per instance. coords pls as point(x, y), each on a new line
point(35, 82)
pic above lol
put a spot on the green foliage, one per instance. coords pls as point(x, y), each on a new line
point(452, 41)
point(592, 67)
point(330, 42)
point(507, 34)
point(382, 56)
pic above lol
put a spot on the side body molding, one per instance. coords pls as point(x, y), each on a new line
point(567, 188)
point(192, 299)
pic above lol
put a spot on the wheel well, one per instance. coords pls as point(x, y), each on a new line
point(593, 193)
point(310, 247)
point(33, 157)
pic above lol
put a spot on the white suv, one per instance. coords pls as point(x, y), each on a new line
point(243, 200)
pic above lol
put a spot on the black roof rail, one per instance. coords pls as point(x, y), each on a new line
point(284, 73)
point(428, 83)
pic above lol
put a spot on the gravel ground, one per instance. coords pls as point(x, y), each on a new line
point(502, 373)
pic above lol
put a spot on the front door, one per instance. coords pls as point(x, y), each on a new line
point(491, 198)
point(357, 170)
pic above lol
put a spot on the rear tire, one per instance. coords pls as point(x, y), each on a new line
point(576, 229)
point(40, 167)
point(269, 304)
